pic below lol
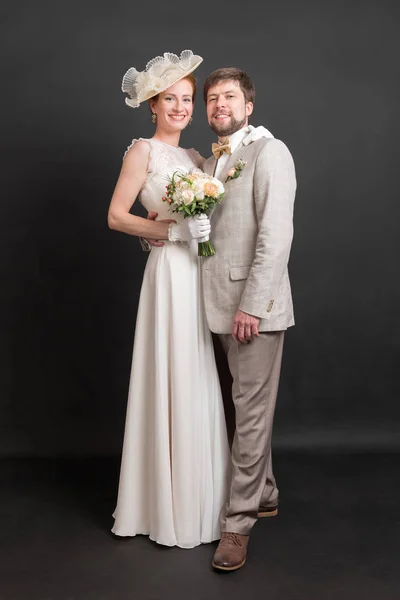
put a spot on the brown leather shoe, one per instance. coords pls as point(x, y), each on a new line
point(267, 511)
point(231, 552)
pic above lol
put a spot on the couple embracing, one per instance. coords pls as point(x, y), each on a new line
point(180, 482)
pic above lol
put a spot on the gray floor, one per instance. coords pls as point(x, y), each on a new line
point(336, 536)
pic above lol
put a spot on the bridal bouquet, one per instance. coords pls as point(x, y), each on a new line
point(191, 194)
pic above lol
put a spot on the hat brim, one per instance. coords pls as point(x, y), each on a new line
point(181, 76)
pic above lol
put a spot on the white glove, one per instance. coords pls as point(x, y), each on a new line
point(256, 133)
point(192, 228)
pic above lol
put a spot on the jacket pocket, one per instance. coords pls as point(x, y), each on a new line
point(237, 273)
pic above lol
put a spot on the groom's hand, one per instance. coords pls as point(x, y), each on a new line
point(244, 327)
point(152, 215)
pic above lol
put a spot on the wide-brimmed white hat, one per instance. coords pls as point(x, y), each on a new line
point(160, 73)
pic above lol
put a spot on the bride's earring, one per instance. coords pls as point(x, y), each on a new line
point(153, 118)
point(190, 121)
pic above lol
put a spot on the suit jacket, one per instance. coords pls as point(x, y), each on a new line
point(252, 231)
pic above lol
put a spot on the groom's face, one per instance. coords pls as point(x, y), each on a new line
point(227, 109)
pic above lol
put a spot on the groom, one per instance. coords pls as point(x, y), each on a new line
point(247, 295)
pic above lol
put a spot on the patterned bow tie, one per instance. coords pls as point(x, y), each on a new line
point(221, 147)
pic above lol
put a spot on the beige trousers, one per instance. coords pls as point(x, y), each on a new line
point(255, 369)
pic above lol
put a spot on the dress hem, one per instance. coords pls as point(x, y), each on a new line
point(165, 543)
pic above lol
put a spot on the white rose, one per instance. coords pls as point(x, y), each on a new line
point(177, 197)
point(220, 186)
point(184, 185)
point(198, 190)
point(187, 196)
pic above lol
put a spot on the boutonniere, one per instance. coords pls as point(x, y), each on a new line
point(236, 170)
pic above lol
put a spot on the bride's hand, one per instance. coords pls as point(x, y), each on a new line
point(152, 215)
point(195, 228)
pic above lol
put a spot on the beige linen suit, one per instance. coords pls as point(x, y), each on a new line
point(252, 232)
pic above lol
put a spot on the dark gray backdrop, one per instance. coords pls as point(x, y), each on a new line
point(326, 75)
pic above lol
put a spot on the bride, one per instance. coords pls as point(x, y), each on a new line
point(175, 459)
point(175, 456)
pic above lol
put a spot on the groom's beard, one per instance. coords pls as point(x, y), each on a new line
point(229, 128)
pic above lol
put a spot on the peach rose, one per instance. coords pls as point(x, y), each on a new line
point(210, 189)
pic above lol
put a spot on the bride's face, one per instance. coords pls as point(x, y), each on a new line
point(174, 107)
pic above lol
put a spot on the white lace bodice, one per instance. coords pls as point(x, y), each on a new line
point(164, 160)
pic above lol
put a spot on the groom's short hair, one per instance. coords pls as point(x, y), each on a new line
point(231, 73)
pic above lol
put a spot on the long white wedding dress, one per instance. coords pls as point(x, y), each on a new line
point(175, 459)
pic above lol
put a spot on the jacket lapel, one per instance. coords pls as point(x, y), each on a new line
point(209, 166)
point(235, 156)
